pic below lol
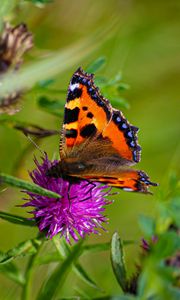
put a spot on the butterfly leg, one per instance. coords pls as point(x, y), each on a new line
point(69, 193)
point(93, 185)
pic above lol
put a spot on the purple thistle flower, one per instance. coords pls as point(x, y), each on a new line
point(76, 213)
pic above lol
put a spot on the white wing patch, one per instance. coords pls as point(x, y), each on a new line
point(74, 86)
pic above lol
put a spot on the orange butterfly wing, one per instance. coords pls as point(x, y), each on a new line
point(89, 115)
point(128, 180)
point(97, 142)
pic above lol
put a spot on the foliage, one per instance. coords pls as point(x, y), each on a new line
point(155, 278)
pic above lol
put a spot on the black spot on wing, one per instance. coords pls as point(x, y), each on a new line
point(71, 133)
point(90, 115)
point(84, 108)
point(71, 115)
point(88, 130)
point(76, 93)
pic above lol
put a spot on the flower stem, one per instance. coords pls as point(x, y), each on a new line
point(29, 272)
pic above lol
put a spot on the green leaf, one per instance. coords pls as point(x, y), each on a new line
point(96, 65)
point(25, 248)
point(54, 107)
point(26, 186)
point(147, 225)
point(117, 260)
point(57, 278)
point(12, 272)
point(16, 219)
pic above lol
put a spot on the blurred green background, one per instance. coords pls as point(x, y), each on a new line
point(144, 45)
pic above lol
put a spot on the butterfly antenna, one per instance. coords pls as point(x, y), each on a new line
point(34, 143)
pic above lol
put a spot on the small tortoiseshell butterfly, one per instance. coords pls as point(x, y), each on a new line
point(97, 142)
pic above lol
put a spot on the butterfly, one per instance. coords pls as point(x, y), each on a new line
point(98, 144)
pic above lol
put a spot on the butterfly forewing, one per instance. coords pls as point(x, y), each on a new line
point(89, 117)
point(98, 143)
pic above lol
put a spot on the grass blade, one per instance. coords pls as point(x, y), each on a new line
point(16, 219)
point(80, 271)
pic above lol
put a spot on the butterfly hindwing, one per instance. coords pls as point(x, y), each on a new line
point(123, 137)
point(127, 179)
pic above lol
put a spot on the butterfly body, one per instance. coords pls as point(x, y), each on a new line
point(97, 141)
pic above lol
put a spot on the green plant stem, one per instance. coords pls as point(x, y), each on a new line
point(26, 293)
point(26, 186)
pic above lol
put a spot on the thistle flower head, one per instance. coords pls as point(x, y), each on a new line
point(14, 43)
point(77, 212)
